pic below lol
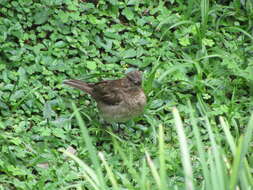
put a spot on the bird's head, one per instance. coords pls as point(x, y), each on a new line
point(135, 77)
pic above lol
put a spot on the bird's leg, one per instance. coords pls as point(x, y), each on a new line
point(122, 128)
point(130, 123)
point(115, 126)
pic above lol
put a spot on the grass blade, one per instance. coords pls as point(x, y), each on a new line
point(88, 173)
point(218, 162)
point(91, 149)
point(184, 150)
point(109, 171)
point(228, 135)
point(236, 165)
point(200, 149)
point(153, 170)
point(162, 157)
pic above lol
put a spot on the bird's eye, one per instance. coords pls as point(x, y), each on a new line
point(137, 82)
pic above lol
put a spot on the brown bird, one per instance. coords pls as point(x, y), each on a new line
point(117, 100)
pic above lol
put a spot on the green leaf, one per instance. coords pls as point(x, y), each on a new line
point(133, 2)
point(22, 75)
point(63, 16)
point(113, 2)
point(41, 16)
point(128, 13)
point(184, 41)
point(59, 132)
point(92, 65)
point(72, 7)
point(112, 35)
point(208, 42)
point(60, 44)
point(16, 140)
point(17, 95)
point(47, 111)
point(129, 53)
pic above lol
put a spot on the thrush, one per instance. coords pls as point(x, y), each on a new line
point(117, 100)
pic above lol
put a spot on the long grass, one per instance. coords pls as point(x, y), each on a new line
point(222, 166)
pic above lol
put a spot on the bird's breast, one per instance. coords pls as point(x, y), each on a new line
point(136, 100)
point(131, 106)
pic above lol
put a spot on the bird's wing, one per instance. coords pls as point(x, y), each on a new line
point(109, 92)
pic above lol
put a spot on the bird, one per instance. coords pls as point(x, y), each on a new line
point(117, 100)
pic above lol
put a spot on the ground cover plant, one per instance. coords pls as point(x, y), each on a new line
point(197, 60)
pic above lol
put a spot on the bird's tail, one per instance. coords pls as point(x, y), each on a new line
point(86, 87)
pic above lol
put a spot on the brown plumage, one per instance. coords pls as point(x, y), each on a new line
point(117, 100)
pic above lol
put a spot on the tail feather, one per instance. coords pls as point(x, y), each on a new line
point(86, 87)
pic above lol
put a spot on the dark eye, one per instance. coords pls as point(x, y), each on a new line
point(137, 82)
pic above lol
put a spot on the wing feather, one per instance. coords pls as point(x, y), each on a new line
point(109, 92)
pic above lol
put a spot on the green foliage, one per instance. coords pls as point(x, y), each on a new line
point(189, 50)
point(215, 165)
